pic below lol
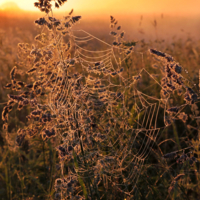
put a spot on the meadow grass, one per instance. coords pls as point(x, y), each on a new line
point(73, 130)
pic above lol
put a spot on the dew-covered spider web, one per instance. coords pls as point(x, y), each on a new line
point(107, 121)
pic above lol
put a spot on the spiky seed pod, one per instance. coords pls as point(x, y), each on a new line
point(115, 43)
point(15, 98)
point(36, 4)
point(121, 70)
point(161, 54)
point(25, 102)
point(178, 69)
point(8, 86)
point(57, 5)
point(76, 19)
point(97, 64)
point(10, 102)
point(20, 83)
point(112, 19)
point(60, 2)
point(36, 112)
point(70, 148)
point(122, 34)
point(71, 12)
point(158, 53)
point(25, 94)
point(128, 52)
point(52, 19)
point(12, 73)
point(113, 73)
point(29, 86)
point(56, 23)
point(36, 84)
point(31, 70)
point(13, 82)
point(62, 151)
point(50, 133)
point(5, 113)
point(131, 48)
point(20, 106)
point(113, 33)
point(41, 21)
point(68, 24)
point(48, 73)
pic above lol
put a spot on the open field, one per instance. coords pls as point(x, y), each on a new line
point(123, 138)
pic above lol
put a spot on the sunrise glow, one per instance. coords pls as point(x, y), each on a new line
point(119, 6)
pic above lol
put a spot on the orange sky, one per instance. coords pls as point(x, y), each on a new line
point(122, 6)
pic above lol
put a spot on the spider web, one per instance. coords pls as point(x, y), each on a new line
point(115, 149)
point(106, 120)
point(82, 93)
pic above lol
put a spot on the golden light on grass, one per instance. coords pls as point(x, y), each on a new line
point(82, 110)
